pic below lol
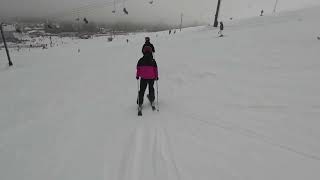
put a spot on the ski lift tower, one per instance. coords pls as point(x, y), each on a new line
point(275, 6)
point(5, 44)
point(181, 16)
point(217, 14)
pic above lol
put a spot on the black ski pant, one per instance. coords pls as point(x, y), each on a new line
point(143, 86)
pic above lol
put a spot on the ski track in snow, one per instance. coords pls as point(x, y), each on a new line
point(149, 154)
point(247, 133)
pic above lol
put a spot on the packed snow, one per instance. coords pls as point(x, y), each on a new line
point(244, 106)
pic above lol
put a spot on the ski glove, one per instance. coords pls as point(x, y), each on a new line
point(137, 77)
point(157, 78)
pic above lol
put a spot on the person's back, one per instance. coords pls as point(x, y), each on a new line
point(147, 67)
point(147, 71)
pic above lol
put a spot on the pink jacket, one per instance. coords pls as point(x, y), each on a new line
point(147, 72)
point(147, 68)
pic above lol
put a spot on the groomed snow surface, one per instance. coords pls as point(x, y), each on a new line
point(242, 107)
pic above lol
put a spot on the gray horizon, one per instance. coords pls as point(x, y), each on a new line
point(141, 11)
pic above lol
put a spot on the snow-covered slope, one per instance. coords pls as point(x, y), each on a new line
point(245, 106)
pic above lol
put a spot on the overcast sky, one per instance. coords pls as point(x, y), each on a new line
point(167, 11)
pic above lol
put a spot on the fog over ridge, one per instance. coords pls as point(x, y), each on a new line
point(160, 11)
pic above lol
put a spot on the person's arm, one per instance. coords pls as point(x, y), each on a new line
point(153, 48)
point(138, 72)
point(155, 67)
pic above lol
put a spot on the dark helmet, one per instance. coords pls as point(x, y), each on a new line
point(147, 39)
point(147, 50)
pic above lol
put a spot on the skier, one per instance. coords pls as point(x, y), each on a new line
point(261, 13)
point(221, 29)
point(147, 43)
point(147, 71)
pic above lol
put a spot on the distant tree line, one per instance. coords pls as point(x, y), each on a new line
point(94, 27)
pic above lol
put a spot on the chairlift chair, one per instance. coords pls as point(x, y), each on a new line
point(125, 11)
point(85, 20)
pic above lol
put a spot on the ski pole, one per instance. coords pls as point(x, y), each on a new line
point(157, 96)
point(138, 92)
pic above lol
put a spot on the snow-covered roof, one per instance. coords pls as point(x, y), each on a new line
point(35, 31)
point(8, 27)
